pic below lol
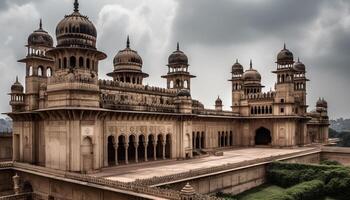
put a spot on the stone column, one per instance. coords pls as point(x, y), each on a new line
point(163, 149)
point(154, 150)
point(136, 145)
point(195, 141)
point(126, 153)
point(16, 186)
point(145, 145)
point(116, 153)
point(200, 141)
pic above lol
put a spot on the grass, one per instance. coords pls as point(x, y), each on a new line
point(260, 192)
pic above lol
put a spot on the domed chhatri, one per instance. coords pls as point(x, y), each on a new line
point(178, 57)
point(251, 74)
point(237, 68)
point(127, 56)
point(299, 66)
point(17, 87)
point(285, 56)
point(321, 103)
point(40, 38)
point(76, 30)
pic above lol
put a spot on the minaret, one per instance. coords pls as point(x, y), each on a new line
point(300, 87)
point(237, 88)
point(75, 74)
point(178, 76)
point(39, 66)
point(17, 101)
point(285, 83)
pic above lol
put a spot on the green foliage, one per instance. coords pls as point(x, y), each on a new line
point(283, 177)
point(339, 187)
point(330, 162)
point(308, 190)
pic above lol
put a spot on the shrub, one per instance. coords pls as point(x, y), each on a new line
point(309, 190)
point(283, 178)
point(339, 187)
point(330, 162)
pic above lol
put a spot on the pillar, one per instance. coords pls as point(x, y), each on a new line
point(116, 153)
point(126, 153)
point(154, 150)
point(163, 149)
point(136, 152)
point(145, 145)
point(200, 140)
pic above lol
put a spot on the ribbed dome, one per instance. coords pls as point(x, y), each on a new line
point(17, 86)
point(321, 103)
point(237, 68)
point(76, 30)
point(299, 66)
point(40, 38)
point(285, 56)
point(251, 74)
point(127, 56)
point(178, 57)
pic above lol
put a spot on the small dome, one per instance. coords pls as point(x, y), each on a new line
point(76, 30)
point(299, 66)
point(178, 57)
point(285, 56)
point(237, 68)
point(127, 56)
point(218, 101)
point(17, 86)
point(40, 38)
point(251, 74)
point(188, 189)
point(183, 93)
point(321, 103)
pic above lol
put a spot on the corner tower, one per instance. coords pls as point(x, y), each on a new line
point(237, 85)
point(178, 76)
point(75, 78)
point(300, 87)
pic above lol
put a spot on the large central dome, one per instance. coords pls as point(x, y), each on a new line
point(76, 30)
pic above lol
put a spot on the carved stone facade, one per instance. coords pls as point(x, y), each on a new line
point(69, 119)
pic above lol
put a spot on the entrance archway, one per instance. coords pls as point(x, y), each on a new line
point(168, 146)
point(87, 153)
point(111, 151)
point(121, 149)
point(263, 136)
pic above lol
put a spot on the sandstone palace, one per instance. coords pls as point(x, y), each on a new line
point(66, 118)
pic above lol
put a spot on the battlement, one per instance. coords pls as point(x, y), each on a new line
point(259, 96)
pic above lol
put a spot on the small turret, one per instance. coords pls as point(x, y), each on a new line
point(218, 104)
point(17, 97)
point(187, 192)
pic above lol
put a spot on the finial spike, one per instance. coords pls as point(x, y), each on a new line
point(251, 64)
point(41, 24)
point(127, 42)
point(284, 46)
point(298, 59)
point(236, 60)
point(16, 79)
point(177, 46)
point(76, 6)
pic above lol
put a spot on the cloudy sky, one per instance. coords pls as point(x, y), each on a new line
point(213, 33)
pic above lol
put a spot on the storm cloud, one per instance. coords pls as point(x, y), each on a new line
point(212, 33)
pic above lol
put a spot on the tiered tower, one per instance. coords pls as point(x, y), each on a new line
point(38, 65)
point(300, 88)
point(178, 76)
point(284, 100)
point(75, 74)
point(237, 85)
point(128, 66)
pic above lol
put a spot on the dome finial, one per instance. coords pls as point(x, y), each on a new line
point(17, 79)
point(127, 42)
point(41, 24)
point(284, 46)
point(236, 60)
point(251, 64)
point(177, 46)
point(298, 59)
point(76, 6)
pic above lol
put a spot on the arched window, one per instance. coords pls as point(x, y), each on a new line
point(81, 62)
point(30, 73)
point(88, 63)
point(48, 72)
point(186, 84)
point(59, 63)
point(177, 83)
point(64, 63)
point(171, 84)
point(40, 70)
point(72, 62)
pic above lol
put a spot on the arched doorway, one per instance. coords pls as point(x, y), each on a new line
point(87, 153)
point(198, 140)
point(111, 150)
point(141, 148)
point(159, 148)
point(121, 149)
point(131, 148)
point(263, 136)
point(150, 148)
point(27, 187)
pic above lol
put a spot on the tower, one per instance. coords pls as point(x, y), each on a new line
point(218, 104)
point(284, 99)
point(17, 101)
point(237, 88)
point(300, 88)
point(128, 66)
point(178, 76)
point(38, 65)
point(75, 73)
